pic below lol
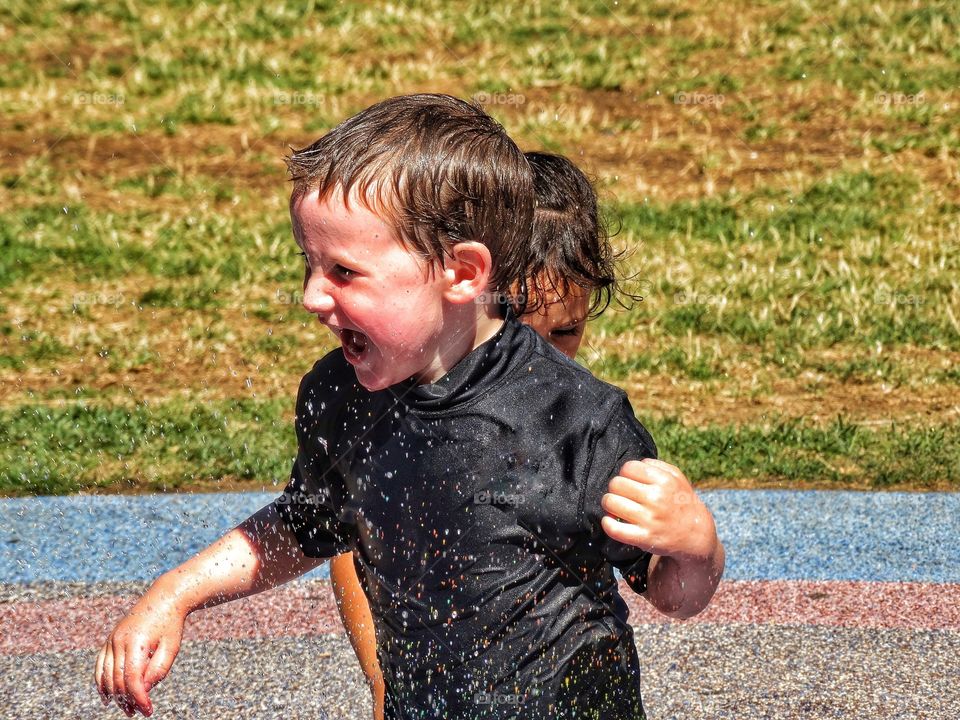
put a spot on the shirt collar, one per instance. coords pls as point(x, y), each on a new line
point(477, 373)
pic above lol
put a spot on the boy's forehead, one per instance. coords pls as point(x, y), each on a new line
point(334, 214)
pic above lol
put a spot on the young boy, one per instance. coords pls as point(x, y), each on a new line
point(466, 462)
point(572, 278)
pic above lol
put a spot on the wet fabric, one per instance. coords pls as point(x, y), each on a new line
point(472, 507)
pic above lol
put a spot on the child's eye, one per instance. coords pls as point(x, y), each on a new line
point(344, 272)
point(571, 331)
point(306, 263)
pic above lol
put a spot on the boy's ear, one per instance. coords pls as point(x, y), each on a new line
point(467, 272)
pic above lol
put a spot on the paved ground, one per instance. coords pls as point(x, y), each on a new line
point(834, 605)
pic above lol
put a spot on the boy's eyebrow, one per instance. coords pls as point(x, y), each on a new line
point(347, 259)
point(338, 255)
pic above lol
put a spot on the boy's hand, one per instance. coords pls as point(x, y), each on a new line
point(138, 654)
point(662, 513)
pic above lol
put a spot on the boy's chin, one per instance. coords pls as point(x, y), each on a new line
point(372, 381)
point(373, 386)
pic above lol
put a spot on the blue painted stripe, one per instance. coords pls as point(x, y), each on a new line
point(112, 538)
point(768, 534)
point(838, 535)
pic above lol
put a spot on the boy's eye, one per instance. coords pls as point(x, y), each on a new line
point(344, 272)
point(306, 263)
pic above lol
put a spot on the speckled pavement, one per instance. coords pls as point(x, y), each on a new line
point(689, 671)
point(834, 605)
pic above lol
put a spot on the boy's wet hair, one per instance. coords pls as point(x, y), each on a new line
point(439, 168)
point(569, 245)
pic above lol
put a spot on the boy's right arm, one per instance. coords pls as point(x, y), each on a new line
point(259, 554)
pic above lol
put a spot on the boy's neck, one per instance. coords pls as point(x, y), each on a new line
point(486, 329)
point(468, 334)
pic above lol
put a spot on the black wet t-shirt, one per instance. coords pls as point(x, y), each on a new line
point(472, 506)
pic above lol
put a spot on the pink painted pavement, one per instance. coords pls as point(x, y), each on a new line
point(309, 610)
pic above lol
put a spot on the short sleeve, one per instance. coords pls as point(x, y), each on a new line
point(306, 508)
point(619, 438)
point(310, 503)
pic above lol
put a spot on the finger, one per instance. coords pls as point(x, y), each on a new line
point(110, 665)
point(664, 466)
point(626, 509)
point(118, 688)
point(119, 685)
point(625, 533)
point(133, 678)
point(679, 490)
point(639, 492)
point(650, 473)
point(126, 706)
point(108, 670)
point(98, 677)
point(159, 665)
point(637, 470)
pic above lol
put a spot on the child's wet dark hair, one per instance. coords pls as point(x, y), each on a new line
point(569, 246)
point(439, 167)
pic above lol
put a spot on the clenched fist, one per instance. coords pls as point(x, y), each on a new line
point(660, 511)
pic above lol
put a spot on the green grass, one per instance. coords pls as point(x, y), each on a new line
point(57, 450)
point(941, 139)
point(91, 245)
point(793, 451)
point(674, 361)
point(171, 238)
point(62, 449)
point(829, 210)
point(165, 181)
point(951, 375)
point(28, 348)
point(888, 46)
point(844, 261)
point(862, 370)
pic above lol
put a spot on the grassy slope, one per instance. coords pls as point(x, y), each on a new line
point(785, 177)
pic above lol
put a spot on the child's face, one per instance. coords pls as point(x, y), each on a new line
point(380, 301)
point(562, 321)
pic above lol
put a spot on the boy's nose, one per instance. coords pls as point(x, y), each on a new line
point(316, 296)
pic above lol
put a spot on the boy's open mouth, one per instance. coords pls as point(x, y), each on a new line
point(354, 344)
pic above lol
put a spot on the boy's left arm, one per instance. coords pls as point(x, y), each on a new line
point(663, 515)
